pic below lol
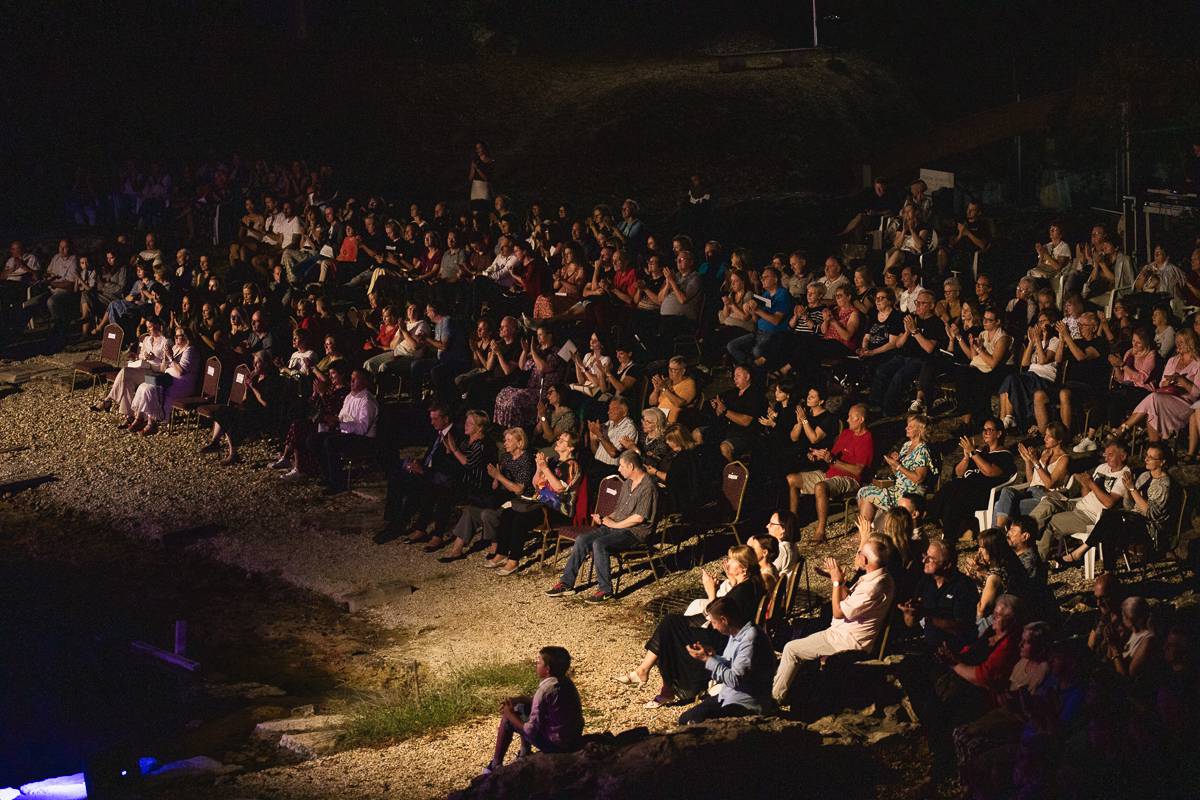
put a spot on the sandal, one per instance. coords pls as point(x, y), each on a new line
point(434, 546)
point(662, 700)
point(101, 406)
point(629, 679)
point(1064, 562)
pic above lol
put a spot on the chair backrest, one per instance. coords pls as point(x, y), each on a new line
point(240, 386)
point(110, 345)
point(733, 486)
point(212, 378)
point(606, 495)
point(792, 577)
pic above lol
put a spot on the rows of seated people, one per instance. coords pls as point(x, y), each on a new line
point(555, 351)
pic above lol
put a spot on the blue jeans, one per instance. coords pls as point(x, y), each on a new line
point(1013, 502)
point(745, 349)
point(600, 542)
point(892, 379)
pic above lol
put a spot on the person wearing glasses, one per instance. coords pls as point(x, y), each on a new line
point(944, 602)
point(987, 353)
point(675, 391)
point(918, 356)
point(975, 475)
point(1167, 409)
point(1087, 370)
point(1142, 515)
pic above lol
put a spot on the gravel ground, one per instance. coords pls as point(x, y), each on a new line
point(462, 614)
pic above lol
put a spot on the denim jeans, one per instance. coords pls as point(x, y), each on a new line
point(745, 349)
point(599, 542)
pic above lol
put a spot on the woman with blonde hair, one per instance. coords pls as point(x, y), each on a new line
point(511, 477)
point(1167, 409)
point(684, 678)
point(911, 467)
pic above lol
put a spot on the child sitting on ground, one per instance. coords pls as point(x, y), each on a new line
point(552, 720)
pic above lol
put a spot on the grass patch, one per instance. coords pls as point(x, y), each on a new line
point(420, 708)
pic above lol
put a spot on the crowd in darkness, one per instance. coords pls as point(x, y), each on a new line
point(551, 347)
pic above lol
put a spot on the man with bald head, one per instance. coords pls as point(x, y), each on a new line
point(858, 616)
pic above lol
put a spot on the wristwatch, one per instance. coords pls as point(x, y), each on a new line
point(836, 584)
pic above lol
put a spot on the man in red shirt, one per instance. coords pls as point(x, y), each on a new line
point(848, 460)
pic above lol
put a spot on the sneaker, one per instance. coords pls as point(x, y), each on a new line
point(1010, 422)
point(916, 407)
point(292, 474)
point(1085, 445)
point(559, 589)
point(597, 597)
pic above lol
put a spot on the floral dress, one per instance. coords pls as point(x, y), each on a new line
point(912, 458)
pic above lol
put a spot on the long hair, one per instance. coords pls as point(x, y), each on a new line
point(744, 555)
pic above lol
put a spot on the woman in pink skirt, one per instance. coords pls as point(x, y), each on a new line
point(1166, 410)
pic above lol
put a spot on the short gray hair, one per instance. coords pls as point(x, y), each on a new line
point(876, 551)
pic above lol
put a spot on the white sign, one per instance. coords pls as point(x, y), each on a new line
point(936, 179)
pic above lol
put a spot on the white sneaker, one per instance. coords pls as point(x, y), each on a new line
point(916, 407)
point(1085, 445)
point(293, 475)
point(1010, 422)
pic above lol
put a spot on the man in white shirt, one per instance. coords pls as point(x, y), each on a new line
point(1103, 488)
point(59, 282)
point(831, 280)
point(910, 280)
point(353, 432)
point(608, 437)
point(20, 270)
point(858, 616)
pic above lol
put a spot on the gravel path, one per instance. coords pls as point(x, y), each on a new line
point(462, 614)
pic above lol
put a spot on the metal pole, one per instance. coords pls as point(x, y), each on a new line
point(816, 43)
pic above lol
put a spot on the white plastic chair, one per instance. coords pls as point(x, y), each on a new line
point(985, 516)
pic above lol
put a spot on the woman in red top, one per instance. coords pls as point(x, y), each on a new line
point(429, 262)
point(384, 338)
point(986, 679)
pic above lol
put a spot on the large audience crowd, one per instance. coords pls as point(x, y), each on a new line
point(552, 348)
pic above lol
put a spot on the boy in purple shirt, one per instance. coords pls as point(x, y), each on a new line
point(552, 720)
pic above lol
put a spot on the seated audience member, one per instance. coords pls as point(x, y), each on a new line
point(785, 528)
point(848, 460)
point(1039, 370)
point(1004, 723)
point(858, 616)
point(152, 403)
point(876, 205)
point(1087, 370)
point(911, 468)
point(590, 368)
point(261, 409)
point(918, 356)
point(975, 475)
point(1103, 488)
point(353, 434)
point(651, 444)
point(688, 481)
point(831, 278)
point(1133, 376)
point(896, 530)
point(1119, 525)
point(736, 316)
point(766, 549)
point(325, 404)
point(609, 439)
point(300, 362)
point(679, 299)
point(944, 602)
point(884, 331)
point(408, 344)
point(517, 406)
point(630, 523)
point(771, 309)
point(1046, 471)
point(979, 673)
point(815, 428)
point(474, 454)
point(683, 679)
point(1052, 256)
point(1000, 572)
point(558, 487)
point(743, 670)
point(737, 412)
point(1022, 538)
point(419, 490)
point(675, 391)
point(1167, 409)
point(452, 353)
point(554, 416)
point(153, 351)
point(551, 720)
point(978, 379)
point(511, 478)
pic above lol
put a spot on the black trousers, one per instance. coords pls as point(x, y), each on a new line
point(417, 500)
point(711, 708)
point(681, 673)
point(331, 449)
point(513, 531)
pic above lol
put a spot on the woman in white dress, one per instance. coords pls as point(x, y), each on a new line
point(152, 351)
point(152, 403)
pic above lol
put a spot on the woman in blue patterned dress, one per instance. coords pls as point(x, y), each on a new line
point(910, 467)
